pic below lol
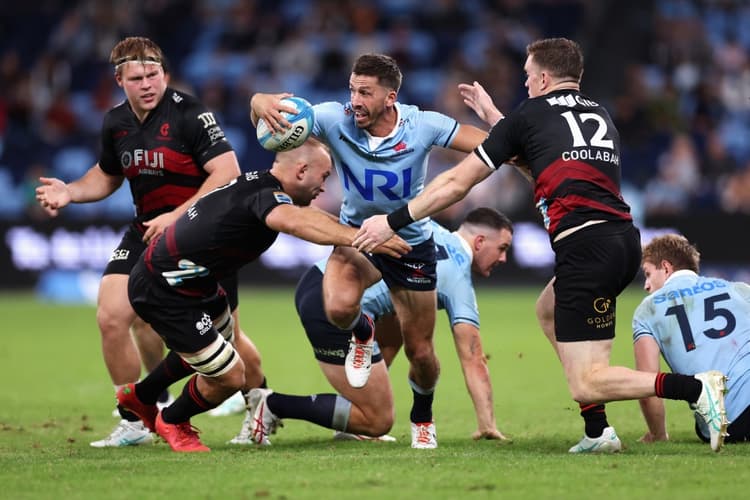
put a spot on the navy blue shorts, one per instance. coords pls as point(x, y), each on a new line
point(330, 344)
point(131, 247)
point(417, 270)
point(592, 267)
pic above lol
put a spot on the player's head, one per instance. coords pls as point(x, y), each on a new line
point(139, 70)
point(373, 85)
point(664, 255)
point(489, 233)
point(302, 171)
point(550, 62)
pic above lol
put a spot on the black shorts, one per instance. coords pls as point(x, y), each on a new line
point(183, 321)
point(592, 267)
point(131, 247)
point(417, 270)
point(330, 344)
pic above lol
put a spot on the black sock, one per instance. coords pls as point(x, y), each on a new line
point(127, 415)
point(316, 408)
point(189, 403)
point(421, 410)
point(676, 386)
point(364, 328)
point(163, 397)
point(595, 418)
point(171, 369)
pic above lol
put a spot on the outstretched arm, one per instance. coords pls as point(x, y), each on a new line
point(477, 377)
point(444, 190)
point(54, 194)
point(647, 360)
point(317, 226)
point(480, 101)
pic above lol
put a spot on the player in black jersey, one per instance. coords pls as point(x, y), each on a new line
point(569, 146)
point(175, 283)
point(171, 150)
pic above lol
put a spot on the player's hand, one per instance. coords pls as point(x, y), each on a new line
point(480, 101)
point(490, 434)
point(395, 247)
point(652, 438)
point(269, 108)
point(374, 232)
point(157, 225)
point(52, 195)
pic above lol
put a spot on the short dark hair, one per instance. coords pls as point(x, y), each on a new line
point(489, 217)
point(563, 58)
point(675, 249)
point(381, 66)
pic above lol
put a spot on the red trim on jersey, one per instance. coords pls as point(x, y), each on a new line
point(560, 207)
point(179, 163)
point(559, 171)
point(165, 196)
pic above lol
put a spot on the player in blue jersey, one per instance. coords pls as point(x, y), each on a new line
point(697, 323)
point(571, 149)
point(380, 149)
point(479, 244)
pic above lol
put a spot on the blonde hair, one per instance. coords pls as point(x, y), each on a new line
point(675, 249)
point(135, 48)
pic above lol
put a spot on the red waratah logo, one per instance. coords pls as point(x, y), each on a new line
point(400, 146)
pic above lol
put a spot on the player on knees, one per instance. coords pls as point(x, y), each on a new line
point(698, 323)
point(480, 244)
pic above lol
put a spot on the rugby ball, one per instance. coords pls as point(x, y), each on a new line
point(293, 137)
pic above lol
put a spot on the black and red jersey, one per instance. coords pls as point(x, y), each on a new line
point(572, 149)
point(221, 232)
point(163, 157)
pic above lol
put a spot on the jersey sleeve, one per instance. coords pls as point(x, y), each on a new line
point(327, 114)
point(642, 321)
point(108, 160)
point(202, 132)
point(441, 129)
point(266, 200)
point(504, 141)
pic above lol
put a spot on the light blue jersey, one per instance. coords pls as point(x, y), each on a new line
point(381, 179)
point(455, 289)
point(702, 324)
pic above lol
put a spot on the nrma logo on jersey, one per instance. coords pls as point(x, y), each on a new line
point(393, 185)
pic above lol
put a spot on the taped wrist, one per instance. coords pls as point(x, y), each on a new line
point(399, 218)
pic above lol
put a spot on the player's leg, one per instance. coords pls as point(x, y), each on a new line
point(114, 316)
point(151, 351)
point(388, 336)
point(347, 275)
point(416, 312)
point(545, 313)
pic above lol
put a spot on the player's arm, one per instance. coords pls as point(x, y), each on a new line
point(480, 101)
point(221, 170)
point(444, 190)
point(477, 378)
point(54, 194)
point(467, 138)
point(317, 226)
point(647, 358)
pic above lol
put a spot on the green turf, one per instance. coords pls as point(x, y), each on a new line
point(55, 397)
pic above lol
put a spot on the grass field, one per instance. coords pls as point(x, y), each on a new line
point(55, 397)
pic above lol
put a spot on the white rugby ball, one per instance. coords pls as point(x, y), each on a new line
point(293, 137)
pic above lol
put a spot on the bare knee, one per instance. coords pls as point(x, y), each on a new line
point(112, 322)
point(377, 421)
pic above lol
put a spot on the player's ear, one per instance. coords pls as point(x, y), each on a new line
point(479, 242)
point(302, 168)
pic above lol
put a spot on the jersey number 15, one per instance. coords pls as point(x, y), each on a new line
point(710, 312)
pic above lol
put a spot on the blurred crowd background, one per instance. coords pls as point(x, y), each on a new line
point(675, 75)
